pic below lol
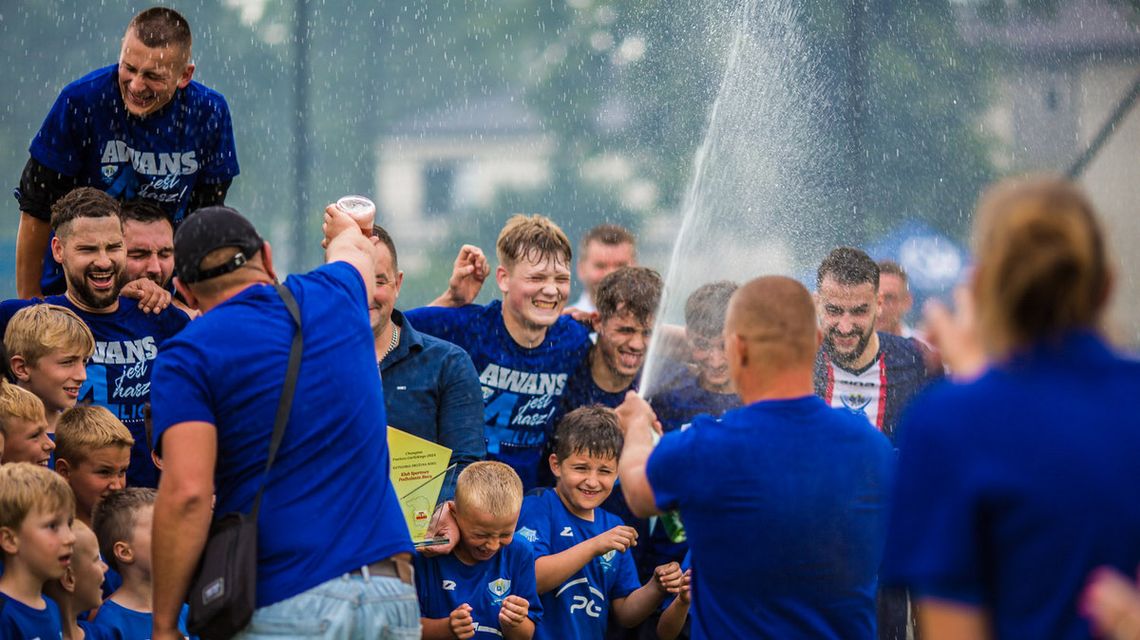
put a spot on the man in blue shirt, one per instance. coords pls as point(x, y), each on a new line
point(331, 533)
point(89, 246)
point(784, 500)
point(430, 386)
point(138, 129)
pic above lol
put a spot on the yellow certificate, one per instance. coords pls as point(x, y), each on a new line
point(418, 470)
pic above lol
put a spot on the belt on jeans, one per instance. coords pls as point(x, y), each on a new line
point(398, 566)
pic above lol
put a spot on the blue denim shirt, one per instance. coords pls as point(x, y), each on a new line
point(431, 390)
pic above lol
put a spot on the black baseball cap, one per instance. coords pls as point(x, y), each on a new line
point(206, 230)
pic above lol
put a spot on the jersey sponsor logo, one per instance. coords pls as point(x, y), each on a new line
point(566, 532)
point(499, 589)
point(448, 585)
point(528, 534)
point(149, 163)
point(524, 382)
point(124, 351)
point(584, 603)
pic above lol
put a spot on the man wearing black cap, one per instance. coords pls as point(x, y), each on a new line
point(333, 549)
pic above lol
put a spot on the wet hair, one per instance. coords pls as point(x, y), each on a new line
point(592, 431)
point(890, 267)
point(27, 487)
point(40, 329)
point(83, 202)
point(21, 404)
point(84, 429)
point(635, 290)
point(159, 27)
point(387, 241)
point(1042, 268)
point(532, 238)
point(143, 211)
point(705, 308)
point(115, 517)
point(607, 234)
point(848, 266)
point(488, 486)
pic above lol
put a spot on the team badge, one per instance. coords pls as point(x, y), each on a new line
point(527, 533)
point(109, 171)
point(607, 560)
point(499, 588)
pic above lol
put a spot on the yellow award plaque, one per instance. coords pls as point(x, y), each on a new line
point(418, 470)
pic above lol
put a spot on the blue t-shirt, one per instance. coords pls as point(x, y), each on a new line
point(127, 342)
point(785, 507)
point(521, 387)
point(131, 624)
point(579, 607)
point(92, 631)
point(444, 582)
point(686, 399)
point(89, 135)
point(18, 620)
point(1012, 488)
point(329, 506)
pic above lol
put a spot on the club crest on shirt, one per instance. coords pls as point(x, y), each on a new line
point(109, 170)
point(856, 402)
point(499, 588)
point(607, 560)
point(530, 535)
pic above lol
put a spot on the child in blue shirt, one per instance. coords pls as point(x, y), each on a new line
point(36, 511)
point(583, 567)
point(674, 620)
point(485, 587)
point(80, 591)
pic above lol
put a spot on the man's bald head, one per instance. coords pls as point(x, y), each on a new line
point(774, 317)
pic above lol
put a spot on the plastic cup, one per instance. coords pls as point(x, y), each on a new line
point(360, 209)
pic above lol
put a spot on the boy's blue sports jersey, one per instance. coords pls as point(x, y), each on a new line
point(677, 405)
point(89, 135)
point(118, 374)
point(582, 391)
point(521, 387)
point(579, 607)
point(444, 582)
point(92, 631)
point(18, 620)
point(129, 623)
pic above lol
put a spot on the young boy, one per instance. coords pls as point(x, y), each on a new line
point(48, 348)
point(486, 585)
point(122, 525)
point(79, 590)
point(36, 510)
point(25, 427)
point(583, 569)
point(523, 348)
point(92, 452)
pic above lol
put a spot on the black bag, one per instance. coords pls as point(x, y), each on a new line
point(223, 593)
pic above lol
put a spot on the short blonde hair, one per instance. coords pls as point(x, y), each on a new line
point(17, 402)
point(36, 331)
point(533, 238)
point(84, 429)
point(115, 517)
point(489, 486)
point(27, 487)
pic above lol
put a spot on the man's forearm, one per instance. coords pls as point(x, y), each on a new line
point(181, 525)
point(32, 239)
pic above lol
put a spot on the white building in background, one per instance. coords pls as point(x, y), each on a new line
point(1062, 78)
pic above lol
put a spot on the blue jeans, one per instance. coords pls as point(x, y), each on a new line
point(344, 608)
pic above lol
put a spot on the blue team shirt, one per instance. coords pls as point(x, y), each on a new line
point(131, 624)
point(18, 620)
point(119, 372)
point(1014, 487)
point(329, 506)
point(579, 607)
point(89, 135)
point(444, 582)
point(92, 631)
point(785, 506)
point(521, 387)
point(685, 399)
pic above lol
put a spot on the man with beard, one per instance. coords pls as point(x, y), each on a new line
point(867, 372)
point(88, 243)
point(431, 389)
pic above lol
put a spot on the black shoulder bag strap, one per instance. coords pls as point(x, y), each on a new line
point(286, 403)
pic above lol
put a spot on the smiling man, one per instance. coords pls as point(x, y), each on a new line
point(89, 245)
point(137, 129)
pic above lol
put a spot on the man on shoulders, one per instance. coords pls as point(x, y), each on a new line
point(138, 129)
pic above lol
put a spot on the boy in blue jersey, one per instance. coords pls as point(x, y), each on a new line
point(92, 452)
point(675, 612)
point(80, 589)
point(25, 427)
point(523, 348)
point(123, 527)
point(486, 586)
point(138, 129)
point(48, 348)
point(36, 510)
point(583, 567)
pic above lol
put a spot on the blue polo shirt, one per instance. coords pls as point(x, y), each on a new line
point(1014, 487)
